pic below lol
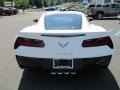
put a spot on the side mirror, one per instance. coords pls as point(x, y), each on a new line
point(35, 20)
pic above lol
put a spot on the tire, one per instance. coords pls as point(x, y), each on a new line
point(9, 14)
point(3, 14)
point(22, 66)
point(94, 17)
point(99, 16)
point(105, 62)
point(105, 66)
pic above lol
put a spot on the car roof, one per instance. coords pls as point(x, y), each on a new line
point(85, 22)
point(111, 3)
point(63, 12)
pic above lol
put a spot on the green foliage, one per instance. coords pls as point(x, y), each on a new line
point(1, 2)
point(41, 3)
point(22, 4)
point(37, 3)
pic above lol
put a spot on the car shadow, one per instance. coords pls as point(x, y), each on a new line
point(92, 79)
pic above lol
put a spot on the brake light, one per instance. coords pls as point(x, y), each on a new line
point(28, 42)
point(25, 41)
point(98, 42)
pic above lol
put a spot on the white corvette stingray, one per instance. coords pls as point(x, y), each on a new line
point(63, 42)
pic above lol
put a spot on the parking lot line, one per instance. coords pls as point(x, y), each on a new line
point(118, 33)
point(110, 30)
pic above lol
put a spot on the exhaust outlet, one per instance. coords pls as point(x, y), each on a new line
point(59, 73)
point(73, 73)
point(66, 73)
point(53, 73)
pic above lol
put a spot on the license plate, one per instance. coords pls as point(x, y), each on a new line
point(63, 63)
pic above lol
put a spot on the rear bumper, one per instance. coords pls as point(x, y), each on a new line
point(48, 63)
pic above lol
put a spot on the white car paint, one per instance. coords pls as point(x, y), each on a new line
point(74, 47)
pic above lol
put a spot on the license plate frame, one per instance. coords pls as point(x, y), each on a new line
point(63, 64)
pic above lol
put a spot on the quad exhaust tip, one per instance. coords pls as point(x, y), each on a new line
point(61, 73)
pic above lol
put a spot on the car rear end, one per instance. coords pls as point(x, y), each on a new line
point(63, 53)
point(7, 11)
point(14, 10)
point(63, 50)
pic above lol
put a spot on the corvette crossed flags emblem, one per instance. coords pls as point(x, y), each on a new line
point(63, 44)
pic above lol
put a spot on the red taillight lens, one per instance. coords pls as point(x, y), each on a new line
point(102, 41)
point(38, 43)
point(28, 42)
point(98, 42)
point(87, 43)
point(25, 41)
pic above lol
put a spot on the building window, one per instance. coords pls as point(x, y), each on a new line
point(107, 1)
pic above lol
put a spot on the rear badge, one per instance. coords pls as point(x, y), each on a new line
point(63, 44)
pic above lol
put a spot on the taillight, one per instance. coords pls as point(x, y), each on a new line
point(98, 42)
point(25, 41)
point(21, 41)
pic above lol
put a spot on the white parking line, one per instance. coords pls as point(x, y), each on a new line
point(118, 33)
point(110, 30)
point(115, 32)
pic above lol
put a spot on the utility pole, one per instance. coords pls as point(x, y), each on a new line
point(42, 4)
point(32, 3)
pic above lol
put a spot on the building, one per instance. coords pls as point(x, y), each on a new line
point(9, 4)
point(104, 1)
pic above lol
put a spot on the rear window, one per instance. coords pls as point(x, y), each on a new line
point(63, 22)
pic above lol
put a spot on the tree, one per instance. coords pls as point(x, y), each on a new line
point(31, 2)
point(22, 4)
point(1, 2)
point(38, 3)
point(45, 3)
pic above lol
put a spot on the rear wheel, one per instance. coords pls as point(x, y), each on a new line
point(3, 13)
point(9, 14)
point(104, 66)
point(99, 16)
point(21, 66)
point(94, 17)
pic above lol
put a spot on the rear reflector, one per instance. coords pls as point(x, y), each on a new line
point(21, 41)
point(98, 42)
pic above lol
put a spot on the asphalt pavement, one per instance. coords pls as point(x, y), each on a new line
point(13, 78)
